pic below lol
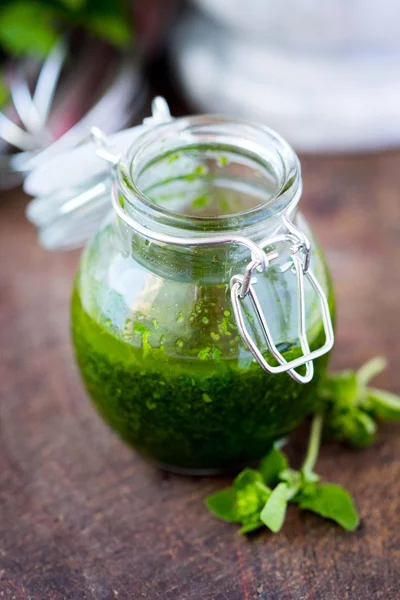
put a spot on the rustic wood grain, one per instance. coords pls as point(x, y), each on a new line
point(82, 517)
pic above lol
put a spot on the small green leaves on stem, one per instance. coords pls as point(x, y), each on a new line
point(348, 411)
point(243, 502)
point(251, 495)
point(333, 502)
point(352, 407)
point(253, 503)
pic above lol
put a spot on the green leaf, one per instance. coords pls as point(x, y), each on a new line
point(332, 502)
point(274, 463)
point(223, 505)
point(251, 495)
point(355, 427)
point(371, 369)
point(274, 511)
point(340, 389)
point(247, 478)
point(251, 526)
point(113, 28)
point(307, 489)
point(365, 430)
point(384, 405)
point(28, 28)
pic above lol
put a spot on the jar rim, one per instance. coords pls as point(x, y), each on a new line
point(265, 145)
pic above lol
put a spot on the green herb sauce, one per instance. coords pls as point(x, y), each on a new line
point(202, 413)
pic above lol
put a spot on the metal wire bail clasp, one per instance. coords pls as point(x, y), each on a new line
point(243, 285)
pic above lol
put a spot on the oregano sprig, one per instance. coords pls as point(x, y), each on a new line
point(349, 408)
point(260, 497)
point(353, 408)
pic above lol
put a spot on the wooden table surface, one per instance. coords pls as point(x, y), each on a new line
point(82, 517)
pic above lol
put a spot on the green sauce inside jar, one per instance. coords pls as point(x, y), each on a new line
point(153, 328)
point(202, 414)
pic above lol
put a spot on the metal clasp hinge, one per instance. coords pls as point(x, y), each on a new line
point(243, 285)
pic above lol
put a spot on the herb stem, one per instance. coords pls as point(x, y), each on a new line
point(292, 490)
point(371, 369)
point(314, 443)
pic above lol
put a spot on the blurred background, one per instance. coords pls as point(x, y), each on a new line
point(324, 74)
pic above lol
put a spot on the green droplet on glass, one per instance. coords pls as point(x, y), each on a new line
point(222, 161)
point(201, 202)
point(173, 158)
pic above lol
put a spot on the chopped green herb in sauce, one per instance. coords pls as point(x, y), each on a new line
point(203, 413)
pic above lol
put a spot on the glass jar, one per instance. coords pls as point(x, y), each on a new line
point(196, 293)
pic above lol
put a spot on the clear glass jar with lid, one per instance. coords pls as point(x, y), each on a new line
point(201, 312)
